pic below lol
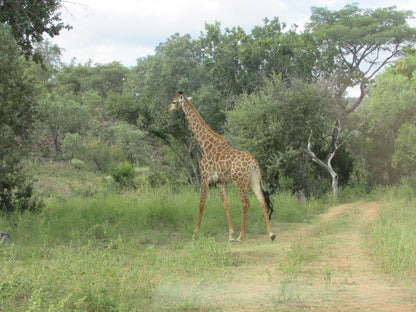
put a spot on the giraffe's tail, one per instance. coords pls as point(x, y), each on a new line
point(258, 188)
point(269, 203)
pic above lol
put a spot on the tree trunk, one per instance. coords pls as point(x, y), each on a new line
point(326, 165)
point(334, 176)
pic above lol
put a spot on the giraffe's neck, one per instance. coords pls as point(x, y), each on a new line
point(205, 136)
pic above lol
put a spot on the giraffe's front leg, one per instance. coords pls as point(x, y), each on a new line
point(204, 190)
point(223, 193)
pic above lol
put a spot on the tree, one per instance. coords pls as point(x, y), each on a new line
point(72, 146)
point(390, 106)
point(30, 19)
point(355, 44)
point(105, 79)
point(404, 157)
point(17, 113)
point(51, 64)
point(131, 141)
point(60, 115)
point(122, 106)
point(214, 69)
point(153, 82)
point(238, 62)
point(273, 125)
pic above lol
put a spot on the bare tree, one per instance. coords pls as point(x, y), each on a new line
point(355, 45)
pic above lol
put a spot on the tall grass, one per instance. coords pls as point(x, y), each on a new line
point(155, 214)
point(105, 254)
point(113, 251)
point(392, 237)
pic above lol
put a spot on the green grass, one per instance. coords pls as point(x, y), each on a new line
point(392, 237)
point(133, 216)
point(103, 250)
point(118, 277)
point(102, 254)
point(106, 250)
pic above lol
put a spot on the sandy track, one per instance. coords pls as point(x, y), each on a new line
point(339, 276)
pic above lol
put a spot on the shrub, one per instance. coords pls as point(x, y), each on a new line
point(97, 154)
point(77, 163)
point(72, 146)
point(16, 191)
point(123, 173)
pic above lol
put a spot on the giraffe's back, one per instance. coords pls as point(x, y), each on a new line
point(225, 164)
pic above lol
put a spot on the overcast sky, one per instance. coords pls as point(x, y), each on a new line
point(125, 30)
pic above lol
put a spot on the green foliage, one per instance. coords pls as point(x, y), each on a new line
point(239, 62)
point(123, 173)
point(122, 107)
point(391, 105)
point(17, 113)
point(131, 140)
point(352, 38)
point(156, 179)
point(72, 146)
point(261, 80)
point(99, 155)
point(404, 157)
point(50, 64)
point(16, 190)
point(17, 91)
point(60, 115)
point(296, 208)
point(392, 237)
point(78, 79)
point(274, 125)
point(29, 21)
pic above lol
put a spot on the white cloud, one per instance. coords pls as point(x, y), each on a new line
point(125, 30)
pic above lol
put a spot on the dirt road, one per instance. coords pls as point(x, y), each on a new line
point(323, 266)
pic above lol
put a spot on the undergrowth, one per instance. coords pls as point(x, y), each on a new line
point(110, 250)
point(392, 237)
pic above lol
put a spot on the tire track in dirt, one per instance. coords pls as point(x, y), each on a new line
point(339, 277)
point(353, 282)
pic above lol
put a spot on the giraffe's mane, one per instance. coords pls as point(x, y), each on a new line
point(198, 116)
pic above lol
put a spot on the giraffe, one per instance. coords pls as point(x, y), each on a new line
point(221, 164)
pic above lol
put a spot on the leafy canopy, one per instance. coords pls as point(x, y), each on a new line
point(356, 43)
point(30, 19)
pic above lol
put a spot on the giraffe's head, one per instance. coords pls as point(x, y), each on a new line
point(177, 102)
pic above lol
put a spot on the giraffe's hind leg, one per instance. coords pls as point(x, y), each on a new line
point(223, 193)
point(243, 192)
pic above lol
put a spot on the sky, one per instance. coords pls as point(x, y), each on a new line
point(125, 30)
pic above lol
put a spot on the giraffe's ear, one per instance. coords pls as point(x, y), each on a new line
point(189, 98)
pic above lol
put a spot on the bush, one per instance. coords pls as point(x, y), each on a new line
point(77, 163)
point(18, 95)
point(72, 146)
point(123, 173)
point(98, 155)
point(16, 191)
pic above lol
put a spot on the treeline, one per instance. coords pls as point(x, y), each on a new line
point(280, 93)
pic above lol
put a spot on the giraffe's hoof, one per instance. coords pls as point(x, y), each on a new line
point(272, 236)
point(231, 240)
point(195, 235)
point(239, 240)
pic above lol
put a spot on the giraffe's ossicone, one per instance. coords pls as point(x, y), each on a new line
point(221, 164)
